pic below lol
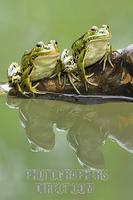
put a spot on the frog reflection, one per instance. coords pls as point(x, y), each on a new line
point(87, 127)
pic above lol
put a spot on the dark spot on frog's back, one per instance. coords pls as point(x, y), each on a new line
point(69, 63)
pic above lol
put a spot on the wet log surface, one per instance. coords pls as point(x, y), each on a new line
point(114, 83)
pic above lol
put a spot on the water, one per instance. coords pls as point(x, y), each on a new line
point(44, 135)
point(93, 142)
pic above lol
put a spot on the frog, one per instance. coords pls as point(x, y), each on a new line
point(69, 68)
point(38, 63)
point(91, 47)
point(14, 77)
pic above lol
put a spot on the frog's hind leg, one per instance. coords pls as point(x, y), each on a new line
point(107, 57)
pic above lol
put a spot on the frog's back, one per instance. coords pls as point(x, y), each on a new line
point(25, 60)
point(78, 45)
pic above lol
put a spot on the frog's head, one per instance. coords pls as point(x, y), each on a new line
point(101, 33)
point(67, 61)
point(14, 73)
point(42, 49)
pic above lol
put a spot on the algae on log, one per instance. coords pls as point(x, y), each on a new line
point(116, 82)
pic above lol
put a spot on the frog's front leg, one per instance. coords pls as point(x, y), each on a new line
point(16, 82)
point(26, 82)
point(81, 67)
point(107, 57)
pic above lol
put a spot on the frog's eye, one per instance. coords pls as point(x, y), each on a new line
point(94, 28)
point(65, 52)
point(40, 44)
point(105, 26)
point(56, 42)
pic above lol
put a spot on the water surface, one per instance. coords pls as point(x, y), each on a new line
point(49, 136)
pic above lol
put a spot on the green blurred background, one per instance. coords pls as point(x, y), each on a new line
point(22, 24)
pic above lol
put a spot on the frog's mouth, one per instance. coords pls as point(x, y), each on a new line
point(101, 37)
point(105, 37)
point(48, 55)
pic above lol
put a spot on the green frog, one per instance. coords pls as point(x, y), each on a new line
point(70, 68)
point(38, 63)
point(14, 76)
point(90, 48)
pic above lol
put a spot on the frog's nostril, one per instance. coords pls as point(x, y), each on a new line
point(101, 31)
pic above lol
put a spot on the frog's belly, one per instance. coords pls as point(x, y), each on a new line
point(94, 53)
point(43, 68)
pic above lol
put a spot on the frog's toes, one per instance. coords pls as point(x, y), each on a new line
point(110, 62)
point(26, 94)
point(90, 82)
point(72, 83)
point(35, 85)
point(107, 57)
